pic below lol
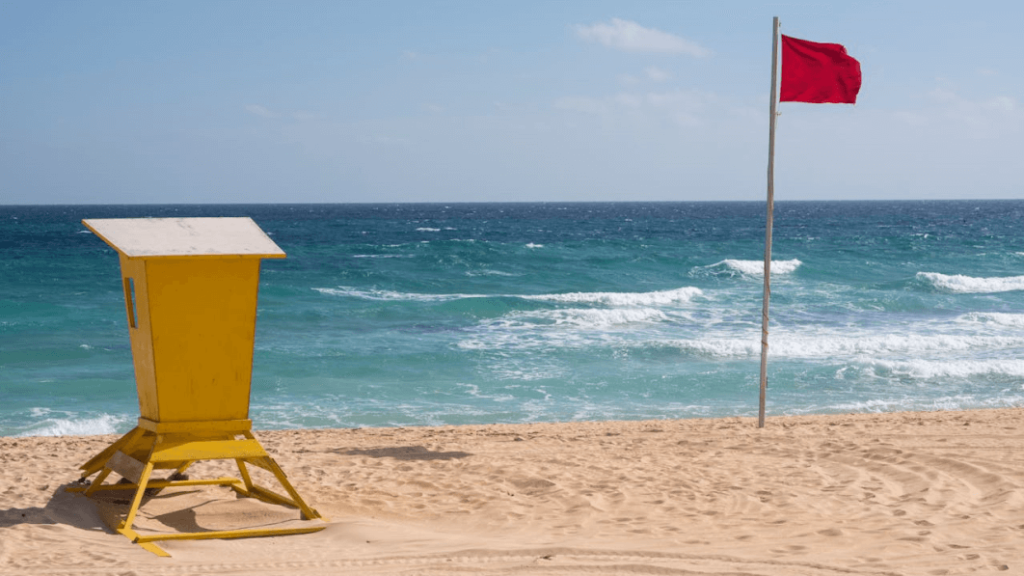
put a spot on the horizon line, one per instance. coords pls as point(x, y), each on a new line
point(463, 202)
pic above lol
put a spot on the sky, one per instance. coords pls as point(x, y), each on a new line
point(105, 102)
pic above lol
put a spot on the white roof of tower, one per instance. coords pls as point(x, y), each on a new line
point(155, 237)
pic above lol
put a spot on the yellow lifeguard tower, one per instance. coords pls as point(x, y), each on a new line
point(190, 289)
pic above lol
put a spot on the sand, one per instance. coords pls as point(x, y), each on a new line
point(902, 493)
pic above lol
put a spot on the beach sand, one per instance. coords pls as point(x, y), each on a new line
point(902, 493)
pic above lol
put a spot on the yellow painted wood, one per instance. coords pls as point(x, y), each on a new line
point(137, 501)
point(271, 496)
point(213, 450)
point(141, 337)
point(261, 463)
point(244, 472)
point(203, 316)
point(98, 482)
point(97, 462)
point(190, 297)
point(223, 481)
point(149, 547)
point(194, 300)
point(180, 454)
point(201, 428)
point(165, 439)
point(307, 512)
point(241, 491)
point(226, 534)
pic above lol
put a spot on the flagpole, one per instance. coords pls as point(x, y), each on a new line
point(768, 226)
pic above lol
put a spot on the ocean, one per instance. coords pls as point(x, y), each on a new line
point(431, 314)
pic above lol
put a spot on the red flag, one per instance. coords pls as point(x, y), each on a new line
point(818, 73)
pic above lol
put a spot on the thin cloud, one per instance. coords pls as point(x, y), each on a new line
point(657, 74)
point(684, 108)
point(981, 118)
point(257, 110)
point(632, 37)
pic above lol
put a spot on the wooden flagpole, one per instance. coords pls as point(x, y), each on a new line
point(768, 226)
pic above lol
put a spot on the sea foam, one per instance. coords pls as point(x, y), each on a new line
point(592, 318)
point(824, 346)
point(102, 424)
point(391, 295)
point(755, 267)
point(993, 318)
point(960, 284)
point(660, 297)
point(907, 403)
point(926, 369)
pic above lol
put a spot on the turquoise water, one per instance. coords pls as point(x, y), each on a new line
point(388, 315)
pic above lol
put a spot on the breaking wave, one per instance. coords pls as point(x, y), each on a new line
point(391, 295)
point(661, 297)
point(836, 346)
point(593, 318)
point(960, 284)
point(754, 267)
point(102, 424)
point(925, 369)
point(994, 318)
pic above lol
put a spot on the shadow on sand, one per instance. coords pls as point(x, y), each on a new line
point(404, 453)
point(96, 512)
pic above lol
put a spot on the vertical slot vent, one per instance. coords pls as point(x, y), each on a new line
point(129, 299)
